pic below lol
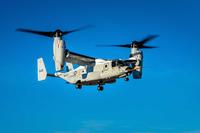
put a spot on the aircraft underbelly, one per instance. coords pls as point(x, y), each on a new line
point(96, 82)
point(94, 78)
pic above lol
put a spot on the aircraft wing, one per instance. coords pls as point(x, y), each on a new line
point(79, 59)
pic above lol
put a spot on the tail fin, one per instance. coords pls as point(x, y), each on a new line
point(42, 73)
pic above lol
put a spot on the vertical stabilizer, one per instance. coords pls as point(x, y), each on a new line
point(42, 73)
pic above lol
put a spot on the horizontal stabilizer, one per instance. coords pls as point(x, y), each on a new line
point(51, 75)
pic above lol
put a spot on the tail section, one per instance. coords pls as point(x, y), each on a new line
point(42, 73)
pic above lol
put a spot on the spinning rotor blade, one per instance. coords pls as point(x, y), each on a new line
point(57, 32)
point(136, 44)
point(147, 39)
point(43, 33)
point(140, 44)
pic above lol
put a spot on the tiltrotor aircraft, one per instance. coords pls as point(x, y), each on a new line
point(90, 71)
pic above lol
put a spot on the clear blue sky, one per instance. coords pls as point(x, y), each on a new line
point(166, 100)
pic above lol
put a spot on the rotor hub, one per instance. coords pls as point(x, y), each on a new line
point(58, 33)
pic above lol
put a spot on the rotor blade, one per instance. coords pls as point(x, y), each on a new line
point(120, 45)
point(136, 44)
point(78, 29)
point(147, 39)
point(43, 33)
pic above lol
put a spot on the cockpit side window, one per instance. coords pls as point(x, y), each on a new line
point(114, 63)
point(121, 63)
point(90, 69)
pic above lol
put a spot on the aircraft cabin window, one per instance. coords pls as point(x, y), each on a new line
point(90, 69)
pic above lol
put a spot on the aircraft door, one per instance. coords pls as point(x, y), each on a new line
point(105, 71)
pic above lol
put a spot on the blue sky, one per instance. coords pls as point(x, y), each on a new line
point(166, 100)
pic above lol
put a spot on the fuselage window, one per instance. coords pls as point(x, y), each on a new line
point(90, 69)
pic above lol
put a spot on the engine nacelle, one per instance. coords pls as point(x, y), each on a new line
point(137, 74)
point(59, 53)
point(138, 56)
